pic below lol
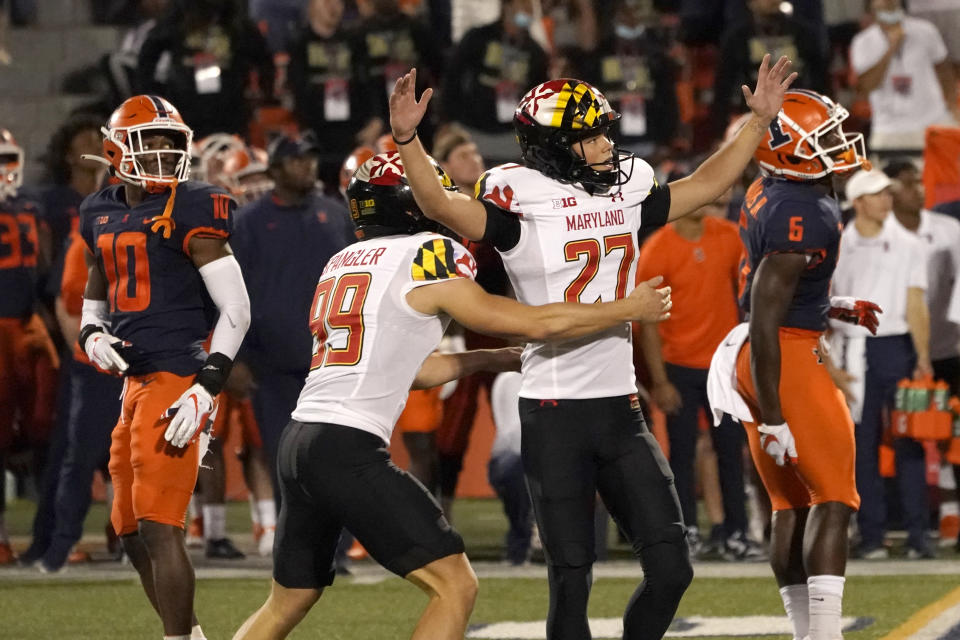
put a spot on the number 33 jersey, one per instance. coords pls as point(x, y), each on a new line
point(369, 343)
point(155, 294)
point(559, 243)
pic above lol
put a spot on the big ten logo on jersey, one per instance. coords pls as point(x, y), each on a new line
point(18, 240)
point(221, 206)
point(563, 203)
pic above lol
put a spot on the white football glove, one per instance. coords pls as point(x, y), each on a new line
point(188, 415)
point(102, 352)
point(777, 441)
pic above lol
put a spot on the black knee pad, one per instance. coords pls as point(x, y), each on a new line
point(666, 564)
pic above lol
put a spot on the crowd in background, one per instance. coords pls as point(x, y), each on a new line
point(286, 98)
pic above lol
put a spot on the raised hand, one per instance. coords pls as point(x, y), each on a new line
point(406, 111)
point(765, 101)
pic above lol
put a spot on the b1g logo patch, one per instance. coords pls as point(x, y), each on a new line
point(563, 203)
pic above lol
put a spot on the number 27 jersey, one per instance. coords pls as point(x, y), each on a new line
point(369, 343)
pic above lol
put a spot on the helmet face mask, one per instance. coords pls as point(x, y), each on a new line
point(127, 133)
point(555, 116)
point(11, 165)
point(381, 201)
point(807, 141)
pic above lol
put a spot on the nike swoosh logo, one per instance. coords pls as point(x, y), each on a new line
point(728, 343)
point(146, 381)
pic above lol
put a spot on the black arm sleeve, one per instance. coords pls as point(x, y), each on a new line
point(503, 227)
point(655, 208)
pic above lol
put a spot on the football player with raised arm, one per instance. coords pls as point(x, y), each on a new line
point(801, 435)
point(158, 256)
point(565, 222)
point(378, 314)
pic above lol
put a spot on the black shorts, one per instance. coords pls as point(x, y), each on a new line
point(573, 449)
point(334, 477)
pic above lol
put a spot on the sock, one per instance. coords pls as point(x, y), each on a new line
point(183, 637)
point(826, 605)
point(193, 508)
point(197, 633)
point(108, 489)
point(797, 605)
point(214, 521)
point(268, 513)
point(254, 512)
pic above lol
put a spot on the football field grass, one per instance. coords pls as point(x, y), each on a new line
point(104, 600)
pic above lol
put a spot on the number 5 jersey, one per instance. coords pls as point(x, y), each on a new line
point(368, 342)
point(156, 297)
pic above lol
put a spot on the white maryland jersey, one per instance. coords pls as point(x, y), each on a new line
point(574, 247)
point(368, 342)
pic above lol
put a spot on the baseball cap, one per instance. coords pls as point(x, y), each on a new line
point(864, 183)
point(291, 146)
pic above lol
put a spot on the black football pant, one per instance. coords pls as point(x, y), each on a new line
point(573, 449)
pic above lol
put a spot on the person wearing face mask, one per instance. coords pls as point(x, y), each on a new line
point(767, 29)
point(490, 70)
point(633, 70)
point(901, 62)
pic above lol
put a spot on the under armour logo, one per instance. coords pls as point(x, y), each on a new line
point(616, 197)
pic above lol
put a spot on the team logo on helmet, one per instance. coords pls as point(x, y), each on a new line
point(807, 142)
point(11, 165)
point(566, 104)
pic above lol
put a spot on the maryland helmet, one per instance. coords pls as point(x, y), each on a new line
point(557, 114)
point(137, 119)
point(11, 165)
point(806, 140)
point(381, 201)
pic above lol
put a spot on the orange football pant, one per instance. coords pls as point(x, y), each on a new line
point(28, 380)
point(819, 420)
point(152, 479)
point(422, 413)
point(236, 412)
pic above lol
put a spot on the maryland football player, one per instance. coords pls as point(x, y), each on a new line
point(379, 311)
point(566, 222)
point(801, 434)
point(160, 272)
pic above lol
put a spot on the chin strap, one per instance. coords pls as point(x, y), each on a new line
point(164, 221)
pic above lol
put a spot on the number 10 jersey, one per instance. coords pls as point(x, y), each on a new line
point(368, 342)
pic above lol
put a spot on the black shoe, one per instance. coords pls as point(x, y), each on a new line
point(223, 549)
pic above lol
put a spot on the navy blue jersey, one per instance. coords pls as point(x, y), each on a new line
point(157, 299)
point(780, 216)
point(282, 250)
point(18, 256)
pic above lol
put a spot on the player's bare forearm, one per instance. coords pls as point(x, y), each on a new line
point(440, 368)
point(918, 322)
point(652, 352)
point(724, 167)
point(454, 210)
point(96, 287)
point(771, 292)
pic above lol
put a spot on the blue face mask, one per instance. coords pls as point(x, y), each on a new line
point(628, 33)
point(522, 20)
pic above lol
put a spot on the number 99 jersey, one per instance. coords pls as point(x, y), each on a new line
point(783, 216)
point(155, 294)
point(369, 343)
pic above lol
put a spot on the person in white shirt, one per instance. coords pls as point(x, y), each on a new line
point(379, 311)
point(565, 223)
point(902, 63)
point(940, 236)
point(505, 469)
point(883, 262)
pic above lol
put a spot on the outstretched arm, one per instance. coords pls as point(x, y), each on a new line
point(440, 368)
point(456, 211)
point(467, 303)
point(724, 167)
